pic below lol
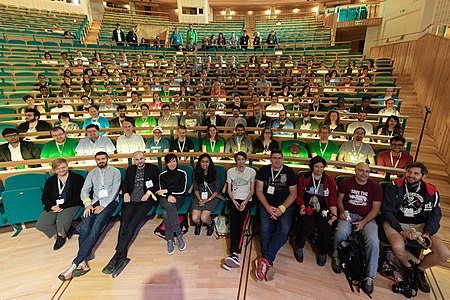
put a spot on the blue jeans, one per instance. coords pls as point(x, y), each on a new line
point(90, 230)
point(372, 244)
point(272, 242)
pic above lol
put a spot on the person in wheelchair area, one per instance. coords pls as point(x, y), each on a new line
point(411, 211)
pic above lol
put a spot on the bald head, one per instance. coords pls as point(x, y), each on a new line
point(139, 159)
point(362, 172)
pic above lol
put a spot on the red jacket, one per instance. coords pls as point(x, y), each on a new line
point(384, 159)
point(328, 184)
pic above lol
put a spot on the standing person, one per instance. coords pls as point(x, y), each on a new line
point(361, 198)
point(207, 191)
point(192, 35)
point(243, 40)
point(412, 204)
point(176, 39)
point(139, 187)
point(118, 35)
point(172, 187)
point(103, 182)
point(241, 187)
point(132, 38)
point(272, 39)
point(276, 188)
point(61, 200)
point(316, 198)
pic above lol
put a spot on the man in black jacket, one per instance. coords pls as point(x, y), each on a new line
point(139, 188)
point(33, 124)
point(132, 38)
point(16, 149)
point(118, 36)
point(411, 211)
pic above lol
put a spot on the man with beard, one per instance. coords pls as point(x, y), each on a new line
point(306, 122)
point(60, 107)
point(362, 115)
point(411, 211)
point(283, 123)
point(61, 146)
point(103, 183)
point(33, 124)
point(356, 150)
point(396, 157)
point(239, 141)
point(258, 119)
point(117, 122)
point(139, 188)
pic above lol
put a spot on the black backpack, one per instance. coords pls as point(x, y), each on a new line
point(351, 254)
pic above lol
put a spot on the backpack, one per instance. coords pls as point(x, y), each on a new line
point(182, 220)
point(221, 226)
point(351, 254)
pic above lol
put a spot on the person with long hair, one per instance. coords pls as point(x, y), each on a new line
point(317, 200)
point(207, 187)
point(265, 143)
point(333, 120)
point(392, 127)
point(212, 141)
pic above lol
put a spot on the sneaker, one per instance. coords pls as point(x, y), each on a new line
point(170, 247)
point(227, 267)
point(198, 229)
point(60, 241)
point(82, 269)
point(181, 242)
point(109, 268)
point(232, 261)
point(270, 274)
point(367, 285)
point(261, 269)
point(210, 230)
point(421, 280)
point(67, 274)
point(336, 266)
point(299, 255)
point(321, 259)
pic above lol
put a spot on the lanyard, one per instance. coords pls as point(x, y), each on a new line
point(416, 191)
point(213, 145)
point(266, 147)
point(274, 177)
point(102, 179)
point(60, 150)
point(324, 149)
point(392, 160)
point(316, 188)
point(180, 145)
point(359, 150)
point(61, 186)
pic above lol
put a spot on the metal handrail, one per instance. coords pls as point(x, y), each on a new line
point(402, 36)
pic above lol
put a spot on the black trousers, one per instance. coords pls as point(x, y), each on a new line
point(132, 214)
point(238, 222)
point(307, 226)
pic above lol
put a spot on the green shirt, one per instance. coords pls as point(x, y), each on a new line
point(164, 94)
point(149, 122)
point(209, 145)
point(303, 154)
point(51, 150)
point(324, 150)
point(191, 34)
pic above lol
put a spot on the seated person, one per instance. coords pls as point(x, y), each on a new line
point(108, 106)
point(87, 103)
point(239, 141)
point(295, 150)
point(17, 150)
point(95, 119)
point(306, 122)
point(167, 120)
point(258, 119)
point(396, 157)
point(316, 195)
point(60, 107)
point(206, 184)
point(333, 121)
point(31, 104)
point(158, 143)
point(61, 146)
point(265, 143)
point(362, 116)
point(61, 198)
point(295, 107)
point(213, 118)
point(129, 142)
point(118, 121)
point(392, 127)
point(182, 143)
point(411, 211)
point(212, 141)
point(365, 106)
point(189, 118)
point(282, 122)
point(274, 107)
point(361, 198)
point(66, 124)
point(33, 124)
point(389, 110)
point(356, 150)
point(236, 118)
point(145, 120)
point(323, 147)
point(93, 142)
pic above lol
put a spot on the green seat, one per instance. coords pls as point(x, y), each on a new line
point(25, 180)
point(340, 177)
point(81, 172)
point(4, 111)
point(15, 201)
point(122, 172)
point(222, 172)
point(287, 143)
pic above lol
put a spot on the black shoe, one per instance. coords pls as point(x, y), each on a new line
point(70, 232)
point(421, 280)
point(321, 259)
point(409, 276)
point(210, 230)
point(60, 241)
point(299, 255)
point(336, 266)
point(367, 285)
point(198, 229)
point(109, 268)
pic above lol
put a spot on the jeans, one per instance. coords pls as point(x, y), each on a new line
point(372, 243)
point(307, 226)
point(90, 230)
point(132, 214)
point(170, 216)
point(272, 242)
point(238, 222)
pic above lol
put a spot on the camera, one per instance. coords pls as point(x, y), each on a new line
point(404, 289)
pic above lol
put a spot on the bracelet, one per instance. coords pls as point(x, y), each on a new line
point(282, 208)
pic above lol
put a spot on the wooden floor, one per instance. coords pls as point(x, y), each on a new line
point(29, 269)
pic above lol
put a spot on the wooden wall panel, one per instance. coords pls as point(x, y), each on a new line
point(402, 53)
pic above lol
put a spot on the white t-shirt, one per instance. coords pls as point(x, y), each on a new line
point(16, 155)
point(130, 145)
point(241, 182)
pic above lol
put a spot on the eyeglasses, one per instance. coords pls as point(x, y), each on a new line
point(363, 171)
point(397, 145)
point(8, 136)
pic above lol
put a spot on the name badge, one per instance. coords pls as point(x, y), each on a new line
point(103, 193)
point(59, 201)
point(149, 184)
point(270, 190)
point(204, 195)
point(408, 212)
point(155, 150)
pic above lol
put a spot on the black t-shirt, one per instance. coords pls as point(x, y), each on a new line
point(138, 190)
point(281, 183)
point(182, 147)
point(411, 211)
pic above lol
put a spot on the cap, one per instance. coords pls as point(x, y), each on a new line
point(157, 128)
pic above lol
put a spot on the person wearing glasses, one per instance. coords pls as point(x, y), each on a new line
point(16, 149)
point(359, 202)
point(397, 157)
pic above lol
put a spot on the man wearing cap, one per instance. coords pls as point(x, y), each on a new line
point(157, 143)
